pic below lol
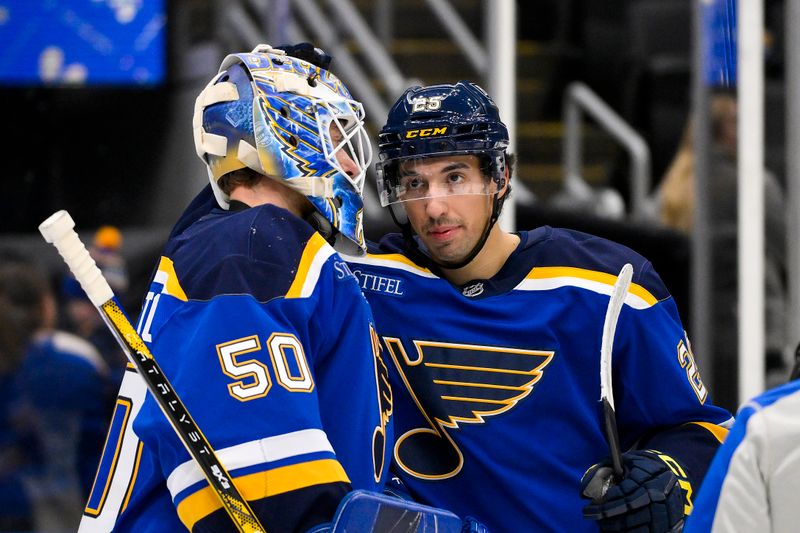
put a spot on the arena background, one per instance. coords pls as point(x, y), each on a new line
point(97, 103)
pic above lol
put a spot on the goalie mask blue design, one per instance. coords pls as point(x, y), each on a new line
point(293, 122)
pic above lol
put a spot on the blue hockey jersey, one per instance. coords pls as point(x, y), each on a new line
point(264, 334)
point(497, 382)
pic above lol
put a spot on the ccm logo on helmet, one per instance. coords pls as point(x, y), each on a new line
point(426, 132)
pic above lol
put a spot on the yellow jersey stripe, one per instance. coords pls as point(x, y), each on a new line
point(719, 432)
point(263, 485)
point(565, 273)
point(169, 279)
point(132, 481)
point(314, 255)
point(400, 258)
point(396, 261)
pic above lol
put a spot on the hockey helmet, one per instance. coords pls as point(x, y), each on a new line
point(435, 121)
point(287, 119)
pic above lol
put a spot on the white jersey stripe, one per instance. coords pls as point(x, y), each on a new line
point(314, 270)
point(253, 453)
point(546, 284)
point(382, 261)
point(134, 389)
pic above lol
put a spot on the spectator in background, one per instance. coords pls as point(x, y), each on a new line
point(676, 208)
point(54, 406)
point(81, 316)
point(106, 251)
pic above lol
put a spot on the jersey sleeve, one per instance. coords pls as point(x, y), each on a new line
point(662, 402)
point(356, 383)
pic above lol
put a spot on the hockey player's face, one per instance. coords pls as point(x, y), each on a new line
point(342, 156)
point(454, 204)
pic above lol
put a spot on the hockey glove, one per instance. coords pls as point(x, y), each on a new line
point(652, 497)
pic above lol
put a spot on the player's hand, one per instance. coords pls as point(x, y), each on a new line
point(308, 52)
point(651, 497)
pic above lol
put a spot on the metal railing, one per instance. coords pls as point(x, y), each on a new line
point(579, 98)
point(458, 30)
point(249, 22)
point(331, 23)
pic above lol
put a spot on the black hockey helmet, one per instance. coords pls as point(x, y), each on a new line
point(440, 120)
point(435, 121)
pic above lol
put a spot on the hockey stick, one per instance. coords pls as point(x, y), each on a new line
point(615, 304)
point(58, 230)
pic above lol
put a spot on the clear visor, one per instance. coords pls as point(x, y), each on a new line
point(346, 143)
point(408, 180)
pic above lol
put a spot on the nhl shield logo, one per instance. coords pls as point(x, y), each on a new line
point(471, 291)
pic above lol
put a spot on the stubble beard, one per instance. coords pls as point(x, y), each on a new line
point(452, 251)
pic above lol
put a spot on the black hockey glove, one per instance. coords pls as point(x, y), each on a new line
point(308, 52)
point(650, 498)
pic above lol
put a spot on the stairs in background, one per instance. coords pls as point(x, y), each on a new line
point(425, 51)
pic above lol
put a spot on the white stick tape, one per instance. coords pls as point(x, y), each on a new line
point(58, 230)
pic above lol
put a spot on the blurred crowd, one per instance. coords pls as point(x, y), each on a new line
point(675, 200)
point(60, 368)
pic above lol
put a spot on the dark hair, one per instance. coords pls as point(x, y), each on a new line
point(511, 162)
point(243, 177)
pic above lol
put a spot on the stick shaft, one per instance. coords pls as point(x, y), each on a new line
point(58, 230)
point(615, 304)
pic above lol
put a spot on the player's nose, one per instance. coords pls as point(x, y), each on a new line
point(436, 206)
point(348, 165)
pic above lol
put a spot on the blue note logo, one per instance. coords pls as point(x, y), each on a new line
point(456, 385)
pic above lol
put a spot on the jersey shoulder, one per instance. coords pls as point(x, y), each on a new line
point(777, 400)
point(547, 252)
point(391, 243)
point(263, 251)
point(392, 253)
point(554, 248)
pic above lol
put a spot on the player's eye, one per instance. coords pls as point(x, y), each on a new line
point(455, 178)
point(411, 183)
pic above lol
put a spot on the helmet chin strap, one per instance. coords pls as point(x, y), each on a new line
point(413, 246)
point(322, 226)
